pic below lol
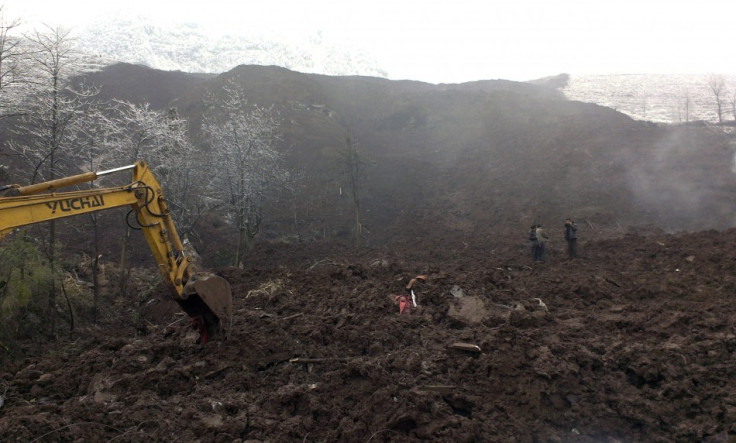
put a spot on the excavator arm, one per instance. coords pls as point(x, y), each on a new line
point(204, 297)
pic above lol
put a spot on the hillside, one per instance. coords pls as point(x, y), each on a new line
point(468, 162)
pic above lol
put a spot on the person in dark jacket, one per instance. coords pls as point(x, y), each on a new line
point(534, 242)
point(571, 237)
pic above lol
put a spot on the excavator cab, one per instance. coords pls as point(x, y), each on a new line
point(205, 297)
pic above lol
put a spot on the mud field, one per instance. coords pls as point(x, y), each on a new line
point(632, 341)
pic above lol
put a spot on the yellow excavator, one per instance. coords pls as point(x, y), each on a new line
point(205, 297)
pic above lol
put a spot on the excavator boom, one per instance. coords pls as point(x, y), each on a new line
point(204, 297)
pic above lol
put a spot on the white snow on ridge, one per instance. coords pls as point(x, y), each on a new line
point(189, 48)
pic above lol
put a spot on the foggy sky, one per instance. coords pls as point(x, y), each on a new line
point(459, 40)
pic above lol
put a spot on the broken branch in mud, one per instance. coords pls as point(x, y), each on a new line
point(317, 360)
point(379, 432)
point(323, 262)
point(76, 424)
point(468, 347)
point(173, 323)
point(217, 371)
point(268, 288)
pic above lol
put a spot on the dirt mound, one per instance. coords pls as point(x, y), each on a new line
point(634, 341)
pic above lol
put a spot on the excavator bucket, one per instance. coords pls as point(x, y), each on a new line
point(208, 299)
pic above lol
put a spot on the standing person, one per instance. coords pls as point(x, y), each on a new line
point(534, 242)
point(571, 236)
point(542, 238)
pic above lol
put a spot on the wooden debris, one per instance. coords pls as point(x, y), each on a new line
point(323, 262)
point(468, 347)
point(268, 288)
point(316, 360)
point(217, 371)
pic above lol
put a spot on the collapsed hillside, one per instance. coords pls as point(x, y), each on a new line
point(634, 341)
point(459, 163)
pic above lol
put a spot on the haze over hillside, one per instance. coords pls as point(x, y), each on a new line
point(668, 98)
point(469, 162)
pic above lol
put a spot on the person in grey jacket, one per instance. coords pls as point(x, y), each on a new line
point(542, 238)
point(571, 237)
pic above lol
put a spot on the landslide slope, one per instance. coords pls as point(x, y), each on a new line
point(459, 163)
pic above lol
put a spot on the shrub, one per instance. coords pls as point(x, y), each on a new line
point(25, 278)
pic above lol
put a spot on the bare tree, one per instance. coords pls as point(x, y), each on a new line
point(137, 132)
point(11, 68)
point(249, 168)
point(52, 101)
point(182, 172)
point(89, 137)
point(44, 134)
point(717, 85)
point(107, 135)
point(681, 109)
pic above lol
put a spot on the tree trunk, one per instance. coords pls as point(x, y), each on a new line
point(250, 241)
point(52, 259)
point(123, 283)
point(358, 226)
point(242, 238)
point(95, 272)
point(51, 314)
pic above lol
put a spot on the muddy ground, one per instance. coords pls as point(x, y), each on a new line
point(632, 341)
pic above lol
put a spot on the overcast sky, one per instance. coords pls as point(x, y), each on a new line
point(462, 40)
